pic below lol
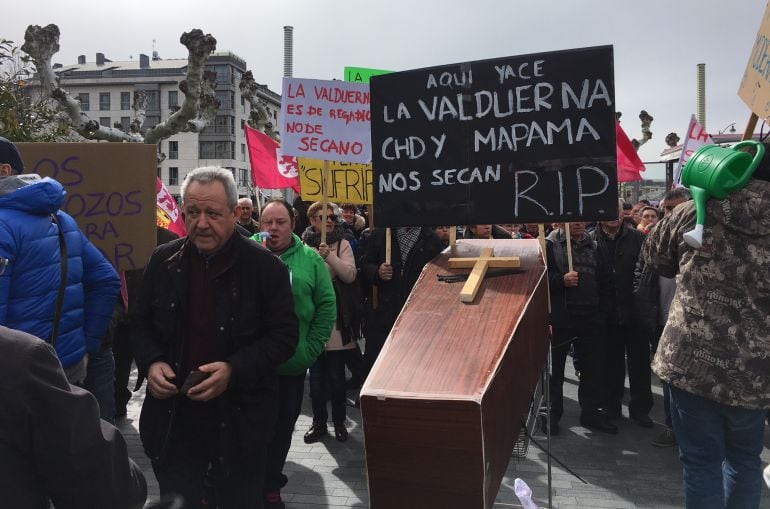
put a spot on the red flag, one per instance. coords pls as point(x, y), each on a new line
point(270, 169)
point(168, 215)
point(629, 164)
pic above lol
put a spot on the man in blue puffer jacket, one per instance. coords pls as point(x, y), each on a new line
point(30, 267)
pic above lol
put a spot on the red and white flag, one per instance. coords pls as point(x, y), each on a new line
point(168, 214)
point(629, 164)
point(270, 169)
point(697, 137)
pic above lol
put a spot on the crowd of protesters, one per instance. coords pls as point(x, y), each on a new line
point(224, 329)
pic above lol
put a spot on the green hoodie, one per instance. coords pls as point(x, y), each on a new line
point(314, 303)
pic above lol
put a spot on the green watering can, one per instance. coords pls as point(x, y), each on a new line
point(715, 172)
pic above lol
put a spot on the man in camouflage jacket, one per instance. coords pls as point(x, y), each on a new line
point(715, 348)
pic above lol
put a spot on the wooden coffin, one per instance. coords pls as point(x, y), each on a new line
point(444, 403)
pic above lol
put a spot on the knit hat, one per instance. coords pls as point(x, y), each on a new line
point(9, 154)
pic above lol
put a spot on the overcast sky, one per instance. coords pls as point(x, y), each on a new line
point(657, 43)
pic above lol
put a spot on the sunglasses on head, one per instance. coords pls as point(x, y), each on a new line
point(330, 217)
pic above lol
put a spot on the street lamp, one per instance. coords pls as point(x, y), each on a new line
point(728, 126)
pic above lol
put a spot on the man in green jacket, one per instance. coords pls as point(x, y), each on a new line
point(316, 309)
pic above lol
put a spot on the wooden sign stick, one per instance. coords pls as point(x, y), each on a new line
point(569, 246)
point(452, 236)
point(541, 238)
point(388, 234)
point(749, 132)
point(324, 200)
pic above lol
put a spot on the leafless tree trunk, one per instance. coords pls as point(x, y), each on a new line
point(258, 118)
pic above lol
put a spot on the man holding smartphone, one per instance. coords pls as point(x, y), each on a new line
point(214, 319)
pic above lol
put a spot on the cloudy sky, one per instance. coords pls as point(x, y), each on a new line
point(657, 43)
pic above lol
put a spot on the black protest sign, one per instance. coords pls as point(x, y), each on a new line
point(528, 138)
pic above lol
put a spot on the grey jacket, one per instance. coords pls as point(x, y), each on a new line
point(53, 446)
point(716, 343)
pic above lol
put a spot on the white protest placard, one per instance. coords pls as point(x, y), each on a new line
point(696, 138)
point(327, 120)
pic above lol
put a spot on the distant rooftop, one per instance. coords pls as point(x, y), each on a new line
point(175, 63)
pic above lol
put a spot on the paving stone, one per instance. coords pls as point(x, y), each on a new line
point(624, 470)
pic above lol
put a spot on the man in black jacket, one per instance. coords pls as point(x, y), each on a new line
point(578, 299)
point(620, 246)
point(214, 307)
point(411, 249)
point(53, 447)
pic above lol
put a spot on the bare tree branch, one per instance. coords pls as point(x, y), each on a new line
point(196, 112)
point(41, 43)
point(139, 105)
point(187, 118)
point(646, 119)
point(672, 140)
point(258, 118)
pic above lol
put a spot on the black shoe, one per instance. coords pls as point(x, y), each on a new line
point(614, 413)
point(340, 433)
point(599, 423)
point(642, 420)
point(315, 433)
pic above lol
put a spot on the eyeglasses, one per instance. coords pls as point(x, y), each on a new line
point(330, 217)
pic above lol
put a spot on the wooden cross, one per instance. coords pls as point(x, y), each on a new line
point(480, 266)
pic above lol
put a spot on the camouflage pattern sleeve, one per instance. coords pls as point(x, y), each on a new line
point(663, 246)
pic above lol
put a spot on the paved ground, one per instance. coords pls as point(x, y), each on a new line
point(621, 471)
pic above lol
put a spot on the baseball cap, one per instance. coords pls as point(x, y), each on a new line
point(9, 154)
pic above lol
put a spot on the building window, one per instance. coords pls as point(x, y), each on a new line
point(104, 101)
point(105, 121)
point(151, 121)
point(225, 99)
point(152, 100)
point(173, 99)
point(220, 125)
point(85, 101)
point(173, 150)
point(224, 74)
point(243, 152)
point(242, 177)
point(173, 176)
point(125, 100)
point(160, 173)
point(243, 123)
point(125, 123)
point(217, 150)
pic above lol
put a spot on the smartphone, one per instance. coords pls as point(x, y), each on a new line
point(193, 378)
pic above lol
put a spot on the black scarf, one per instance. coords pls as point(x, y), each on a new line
point(313, 238)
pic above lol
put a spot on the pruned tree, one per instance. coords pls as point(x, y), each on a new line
point(672, 140)
point(258, 117)
point(197, 110)
point(646, 120)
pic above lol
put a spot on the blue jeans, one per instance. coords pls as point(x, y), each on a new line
point(719, 447)
point(327, 381)
point(100, 381)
